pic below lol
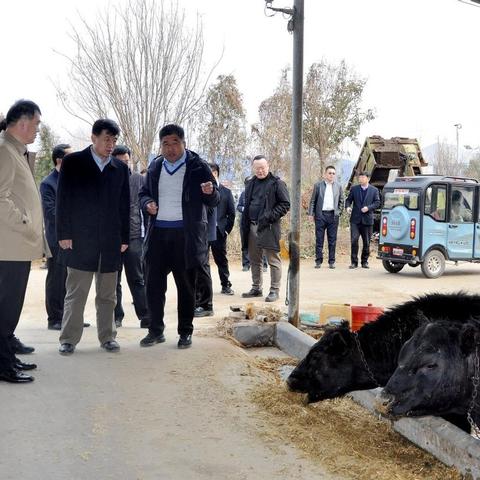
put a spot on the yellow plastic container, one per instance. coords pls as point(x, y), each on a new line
point(330, 311)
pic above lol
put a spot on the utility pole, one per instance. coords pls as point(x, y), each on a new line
point(295, 25)
point(458, 126)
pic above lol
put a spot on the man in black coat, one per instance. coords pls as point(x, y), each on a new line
point(266, 202)
point(132, 257)
point(326, 206)
point(178, 189)
point(365, 199)
point(57, 273)
point(223, 221)
point(93, 226)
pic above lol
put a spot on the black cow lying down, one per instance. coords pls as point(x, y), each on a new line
point(436, 370)
point(334, 365)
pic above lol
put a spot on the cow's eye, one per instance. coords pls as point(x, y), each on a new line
point(431, 366)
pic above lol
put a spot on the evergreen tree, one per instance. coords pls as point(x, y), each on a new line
point(43, 159)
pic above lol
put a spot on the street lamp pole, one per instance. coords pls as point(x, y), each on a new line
point(295, 25)
point(458, 126)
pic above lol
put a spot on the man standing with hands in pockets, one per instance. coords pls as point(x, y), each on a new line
point(178, 188)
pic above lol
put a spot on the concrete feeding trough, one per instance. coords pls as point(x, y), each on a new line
point(443, 440)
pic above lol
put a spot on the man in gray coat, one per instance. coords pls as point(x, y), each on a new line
point(326, 206)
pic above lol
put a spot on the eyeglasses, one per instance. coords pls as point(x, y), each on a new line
point(330, 173)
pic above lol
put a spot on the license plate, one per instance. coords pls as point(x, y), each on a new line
point(397, 251)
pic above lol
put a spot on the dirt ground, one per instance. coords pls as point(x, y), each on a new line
point(161, 413)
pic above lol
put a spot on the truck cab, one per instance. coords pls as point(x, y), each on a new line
point(428, 219)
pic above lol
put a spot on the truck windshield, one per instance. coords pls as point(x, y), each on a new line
point(401, 196)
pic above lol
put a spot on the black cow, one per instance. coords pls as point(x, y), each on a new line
point(334, 365)
point(435, 371)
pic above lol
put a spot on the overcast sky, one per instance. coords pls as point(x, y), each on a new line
point(419, 56)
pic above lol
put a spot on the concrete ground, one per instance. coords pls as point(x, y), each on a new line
point(161, 413)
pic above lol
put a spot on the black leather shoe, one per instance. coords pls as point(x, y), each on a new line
point(202, 312)
point(19, 365)
point(66, 349)
point(331, 266)
point(365, 265)
point(20, 348)
point(151, 340)
point(252, 293)
point(86, 325)
point(14, 376)
point(111, 346)
point(352, 266)
point(55, 326)
point(185, 341)
point(227, 291)
point(318, 265)
point(272, 297)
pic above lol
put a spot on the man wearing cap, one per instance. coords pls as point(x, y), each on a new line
point(365, 198)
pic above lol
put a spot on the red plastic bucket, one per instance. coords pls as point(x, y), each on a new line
point(362, 314)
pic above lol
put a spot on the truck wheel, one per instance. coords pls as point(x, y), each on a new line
point(433, 264)
point(392, 267)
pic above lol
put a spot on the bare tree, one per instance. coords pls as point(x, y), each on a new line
point(445, 160)
point(141, 63)
point(273, 131)
point(473, 169)
point(223, 134)
point(332, 113)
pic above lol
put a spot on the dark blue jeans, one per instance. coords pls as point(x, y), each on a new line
point(327, 222)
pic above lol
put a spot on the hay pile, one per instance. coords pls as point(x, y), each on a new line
point(339, 434)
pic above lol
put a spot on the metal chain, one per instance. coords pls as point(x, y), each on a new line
point(364, 361)
point(473, 401)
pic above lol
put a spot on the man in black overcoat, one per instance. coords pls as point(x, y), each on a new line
point(93, 224)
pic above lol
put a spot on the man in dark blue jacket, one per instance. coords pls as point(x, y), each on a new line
point(365, 199)
point(178, 189)
point(93, 228)
point(57, 273)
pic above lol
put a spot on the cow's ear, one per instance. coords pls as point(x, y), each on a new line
point(421, 318)
point(339, 344)
point(469, 338)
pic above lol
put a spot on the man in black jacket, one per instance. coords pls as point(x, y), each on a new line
point(326, 206)
point(132, 257)
point(266, 202)
point(223, 221)
point(57, 273)
point(365, 199)
point(177, 191)
point(93, 227)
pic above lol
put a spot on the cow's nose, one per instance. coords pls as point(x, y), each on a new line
point(383, 403)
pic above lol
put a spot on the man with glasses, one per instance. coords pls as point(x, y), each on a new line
point(326, 206)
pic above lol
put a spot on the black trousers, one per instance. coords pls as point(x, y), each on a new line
point(55, 288)
point(203, 288)
point(13, 285)
point(132, 262)
point(219, 252)
point(166, 253)
point(327, 222)
point(358, 230)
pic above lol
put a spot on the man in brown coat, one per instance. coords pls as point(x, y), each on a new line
point(21, 231)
